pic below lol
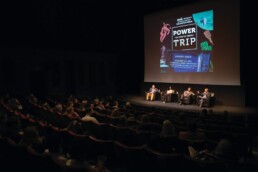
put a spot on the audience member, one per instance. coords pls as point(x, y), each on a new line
point(71, 113)
point(168, 129)
point(89, 118)
point(192, 133)
point(32, 140)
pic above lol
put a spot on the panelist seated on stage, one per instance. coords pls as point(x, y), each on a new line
point(166, 95)
point(187, 96)
point(206, 98)
point(152, 94)
point(169, 96)
point(170, 91)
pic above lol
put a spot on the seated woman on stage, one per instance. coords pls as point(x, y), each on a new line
point(187, 96)
point(152, 93)
point(166, 97)
point(170, 91)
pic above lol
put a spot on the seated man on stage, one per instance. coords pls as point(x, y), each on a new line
point(204, 97)
point(187, 96)
point(152, 93)
point(166, 97)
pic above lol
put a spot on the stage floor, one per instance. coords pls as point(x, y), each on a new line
point(138, 100)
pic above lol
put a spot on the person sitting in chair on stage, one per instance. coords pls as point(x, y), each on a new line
point(151, 94)
point(167, 96)
point(186, 97)
point(170, 91)
point(204, 96)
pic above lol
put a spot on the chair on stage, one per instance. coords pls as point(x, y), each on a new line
point(165, 97)
point(153, 96)
point(169, 97)
point(186, 100)
point(210, 102)
point(207, 102)
point(175, 97)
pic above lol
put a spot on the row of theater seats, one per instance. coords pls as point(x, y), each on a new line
point(177, 98)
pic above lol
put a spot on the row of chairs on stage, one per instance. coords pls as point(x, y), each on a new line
point(205, 99)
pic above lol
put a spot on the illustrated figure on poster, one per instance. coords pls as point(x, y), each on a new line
point(207, 34)
point(165, 30)
point(163, 50)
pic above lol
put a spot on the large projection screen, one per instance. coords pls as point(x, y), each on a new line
point(198, 43)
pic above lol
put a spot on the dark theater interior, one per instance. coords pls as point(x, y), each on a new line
point(84, 85)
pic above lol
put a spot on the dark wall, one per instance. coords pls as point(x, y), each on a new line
point(248, 39)
point(57, 72)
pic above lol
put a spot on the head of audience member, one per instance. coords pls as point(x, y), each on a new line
point(84, 102)
point(115, 113)
point(70, 98)
point(100, 105)
point(101, 164)
point(30, 136)
point(70, 110)
point(116, 104)
point(128, 105)
point(89, 118)
point(58, 109)
point(145, 118)
point(82, 107)
point(46, 106)
point(75, 101)
point(224, 149)
point(70, 104)
point(96, 102)
point(91, 107)
point(107, 103)
point(33, 99)
point(168, 129)
point(15, 104)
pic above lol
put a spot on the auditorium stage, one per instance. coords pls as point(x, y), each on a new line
point(138, 100)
